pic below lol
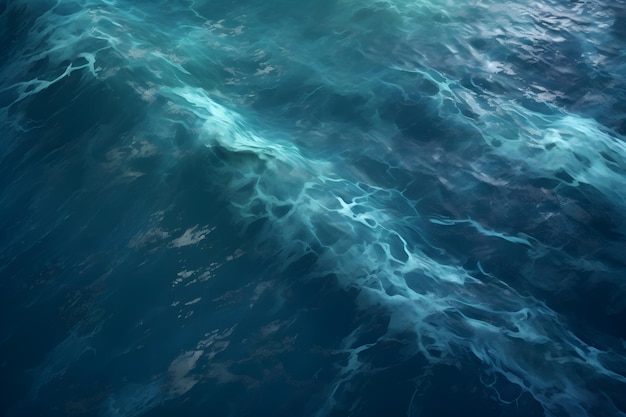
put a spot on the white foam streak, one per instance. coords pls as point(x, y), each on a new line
point(513, 335)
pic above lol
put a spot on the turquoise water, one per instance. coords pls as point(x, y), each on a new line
point(315, 208)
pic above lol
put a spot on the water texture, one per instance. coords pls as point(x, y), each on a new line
point(313, 208)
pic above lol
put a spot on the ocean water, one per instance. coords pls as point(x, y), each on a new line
point(313, 208)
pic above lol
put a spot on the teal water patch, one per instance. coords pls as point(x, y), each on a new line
point(322, 208)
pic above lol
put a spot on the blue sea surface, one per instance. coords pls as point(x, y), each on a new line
point(313, 208)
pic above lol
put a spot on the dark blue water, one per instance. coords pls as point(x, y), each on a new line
point(312, 208)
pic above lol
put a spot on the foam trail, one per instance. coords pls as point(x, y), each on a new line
point(482, 230)
point(445, 306)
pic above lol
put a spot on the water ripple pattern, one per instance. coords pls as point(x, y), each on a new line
point(314, 208)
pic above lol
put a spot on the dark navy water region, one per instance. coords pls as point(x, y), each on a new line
point(313, 208)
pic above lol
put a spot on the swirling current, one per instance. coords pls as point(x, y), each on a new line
point(313, 208)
